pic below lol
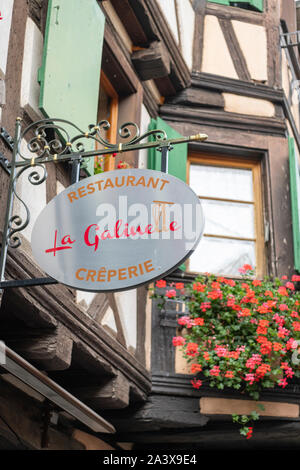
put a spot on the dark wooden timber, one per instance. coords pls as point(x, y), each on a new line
point(275, 435)
point(81, 327)
point(180, 74)
point(207, 116)
point(112, 394)
point(50, 350)
point(130, 21)
point(235, 50)
point(199, 7)
point(198, 97)
point(160, 411)
point(224, 11)
point(273, 43)
point(116, 65)
point(152, 62)
point(239, 87)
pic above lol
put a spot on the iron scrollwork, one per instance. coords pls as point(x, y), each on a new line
point(68, 135)
point(16, 223)
point(61, 137)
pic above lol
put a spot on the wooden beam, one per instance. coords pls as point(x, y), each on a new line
point(130, 21)
point(199, 7)
point(152, 62)
point(51, 350)
point(235, 50)
point(116, 65)
point(82, 328)
point(198, 97)
point(268, 435)
point(160, 412)
point(112, 394)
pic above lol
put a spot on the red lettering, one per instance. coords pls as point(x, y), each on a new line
point(59, 248)
point(173, 226)
point(117, 228)
point(95, 243)
point(67, 239)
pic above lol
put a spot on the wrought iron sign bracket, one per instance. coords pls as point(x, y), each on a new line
point(68, 143)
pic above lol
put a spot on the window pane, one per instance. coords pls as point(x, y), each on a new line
point(225, 257)
point(225, 183)
point(228, 218)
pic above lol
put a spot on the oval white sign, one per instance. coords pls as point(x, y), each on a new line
point(117, 230)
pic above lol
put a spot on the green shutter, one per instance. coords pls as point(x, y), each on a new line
point(177, 156)
point(295, 201)
point(257, 4)
point(70, 72)
point(223, 2)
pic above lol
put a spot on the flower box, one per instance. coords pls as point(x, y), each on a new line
point(227, 406)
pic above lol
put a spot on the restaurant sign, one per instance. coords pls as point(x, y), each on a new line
point(117, 230)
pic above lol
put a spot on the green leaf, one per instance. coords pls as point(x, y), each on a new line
point(254, 415)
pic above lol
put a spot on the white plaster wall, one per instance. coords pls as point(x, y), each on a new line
point(143, 154)
point(109, 320)
point(59, 187)
point(84, 298)
point(253, 42)
point(127, 308)
point(186, 22)
point(216, 56)
point(245, 105)
point(32, 61)
point(168, 8)
point(285, 73)
point(6, 9)
point(295, 107)
point(33, 196)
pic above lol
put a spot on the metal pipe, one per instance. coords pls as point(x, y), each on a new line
point(127, 148)
point(10, 200)
point(23, 370)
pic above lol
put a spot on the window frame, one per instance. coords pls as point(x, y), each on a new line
point(109, 162)
point(255, 165)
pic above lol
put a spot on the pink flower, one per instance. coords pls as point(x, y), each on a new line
point(215, 371)
point(161, 283)
point(221, 351)
point(283, 307)
point(171, 293)
point(290, 285)
point(289, 372)
point(185, 321)
point(282, 383)
point(196, 383)
point(250, 378)
point(178, 341)
point(245, 268)
point(282, 332)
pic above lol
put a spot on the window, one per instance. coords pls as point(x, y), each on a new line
point(230, 194)
point(257, 5)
